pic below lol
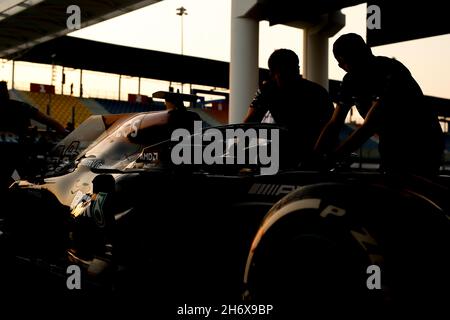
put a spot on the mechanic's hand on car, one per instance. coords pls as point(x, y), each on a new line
point(317, 161)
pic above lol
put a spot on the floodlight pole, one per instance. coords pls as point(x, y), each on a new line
point(181, 11)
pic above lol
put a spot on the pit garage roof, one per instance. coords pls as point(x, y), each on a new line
point(104, 57)
point(400, 20)
point(287, 11)
point(25, 23)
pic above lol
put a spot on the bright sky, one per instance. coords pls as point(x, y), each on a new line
point(207, 34)
point(206, 30)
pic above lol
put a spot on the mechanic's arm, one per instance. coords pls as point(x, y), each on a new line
point(52, 123)
point(363, 133)
point(259, 105)
point(373, 118)
point(331, 130)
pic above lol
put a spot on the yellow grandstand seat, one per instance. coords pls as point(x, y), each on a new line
point(60, 106)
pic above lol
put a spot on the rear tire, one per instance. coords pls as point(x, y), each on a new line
point(319, 241)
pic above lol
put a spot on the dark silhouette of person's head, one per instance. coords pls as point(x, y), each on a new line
point(4, 94)
point(283, 66)
point(351, 52)
point(174, 102)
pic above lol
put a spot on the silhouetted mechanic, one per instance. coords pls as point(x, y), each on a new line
point(392, 105)
point(14, 123)
point(301, 106)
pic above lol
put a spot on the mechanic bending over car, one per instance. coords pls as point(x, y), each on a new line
point(393, 107)
point(14, 123)
point(301, 106)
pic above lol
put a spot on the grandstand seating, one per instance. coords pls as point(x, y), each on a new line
point(218, 110)
point(60, 106)
point(114, 106)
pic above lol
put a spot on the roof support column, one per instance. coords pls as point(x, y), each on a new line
point(81, 83)
point(13, 74)
point(139, 85)
point(120, 85)
point(244, 60)
point(315, 47)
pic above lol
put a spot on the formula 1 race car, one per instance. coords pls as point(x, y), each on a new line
point(135, 212)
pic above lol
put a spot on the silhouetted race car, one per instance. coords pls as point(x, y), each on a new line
point(142, 218)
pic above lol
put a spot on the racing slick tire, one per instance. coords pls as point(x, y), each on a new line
point(334, 247)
